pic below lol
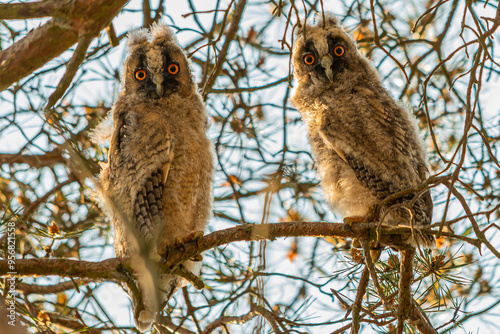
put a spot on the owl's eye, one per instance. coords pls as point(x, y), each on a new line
point(173, 68)
point(308, 59)
point(339, 50)
point(140, 75)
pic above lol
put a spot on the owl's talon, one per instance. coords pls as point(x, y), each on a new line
point(352, 220)
point(197, 258)
point(192, 237)
point(179, 243)
point(195, 236)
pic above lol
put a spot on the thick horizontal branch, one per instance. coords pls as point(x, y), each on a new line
point(112, 269)
point(83, 18)
point(29, 10)
point(256, 232)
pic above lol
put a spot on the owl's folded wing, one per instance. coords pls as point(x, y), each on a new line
point(382, 174)
point(383, 170)
point(148, 205)
point(145, 162)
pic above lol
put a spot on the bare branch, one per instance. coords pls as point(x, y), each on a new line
point(56, 36)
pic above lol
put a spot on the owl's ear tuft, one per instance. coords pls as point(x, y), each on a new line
point(161, 32)
point(137, 37)
point(327, 21)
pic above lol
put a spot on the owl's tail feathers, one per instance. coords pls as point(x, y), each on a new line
point(155, 293)
point(169, 284)
point(145, 309)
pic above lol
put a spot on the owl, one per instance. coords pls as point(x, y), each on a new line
point(156, 186)
point(365, 144)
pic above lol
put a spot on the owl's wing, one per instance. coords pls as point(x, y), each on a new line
point(383, 160)
point(379, 156)
point(148, 205)
point(144, 163)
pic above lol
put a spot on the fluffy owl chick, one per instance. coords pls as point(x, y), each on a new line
point(157, 184)
point(365, 144)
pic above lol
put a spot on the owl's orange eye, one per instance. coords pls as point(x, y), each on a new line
point(140, 75)
point(308, 59)
point(339, 51)
point(173, 68)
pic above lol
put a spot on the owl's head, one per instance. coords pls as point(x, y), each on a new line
point(156, 66)
point(324, 55)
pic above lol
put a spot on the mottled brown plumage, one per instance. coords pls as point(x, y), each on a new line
point(157, 184)
point(366, 145)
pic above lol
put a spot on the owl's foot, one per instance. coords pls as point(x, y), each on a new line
point(179, 243)
point(197, 258)
point(353, 220)
point(192, 237)
point(195, 236)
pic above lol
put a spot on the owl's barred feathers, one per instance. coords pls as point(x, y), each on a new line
point(366, 144)
point(157, 184)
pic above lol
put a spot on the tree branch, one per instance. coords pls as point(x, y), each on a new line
point(73, 65)
point(82, 18)
point(112, 269)
point(30, 10)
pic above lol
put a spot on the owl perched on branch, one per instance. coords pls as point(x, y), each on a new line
point(156, 187)
point(366, 145)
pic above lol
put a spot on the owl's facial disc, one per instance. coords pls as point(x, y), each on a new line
point(325, 57)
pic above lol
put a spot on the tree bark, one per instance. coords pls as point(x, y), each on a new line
point(39, 46)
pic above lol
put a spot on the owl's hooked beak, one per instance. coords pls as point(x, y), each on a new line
point(158, 81)
point(327, 62)
point(159, 90)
